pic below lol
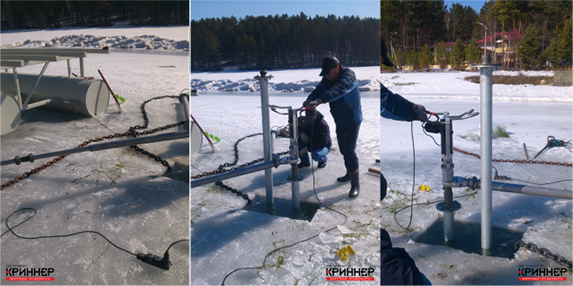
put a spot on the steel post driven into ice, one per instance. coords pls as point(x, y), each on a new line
point(264, 83)
point(449, 206)
point(293, 132)
point(486, 71)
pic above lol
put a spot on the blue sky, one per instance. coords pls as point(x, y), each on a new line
point(476, 4)
point(239, 9)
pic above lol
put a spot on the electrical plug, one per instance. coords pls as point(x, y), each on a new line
point(155, 260)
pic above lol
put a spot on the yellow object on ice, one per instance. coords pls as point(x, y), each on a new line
point(424, 188)
point(345, 252)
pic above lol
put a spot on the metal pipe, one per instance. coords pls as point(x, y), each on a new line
point(293, 131)
point(264, 83)
point(82, 67)
point(486, 153)
point(35, 85)
point(486, 71)
point(18, 92)
point(59, 51)
point(232, 174)
point(69, 68)
point(103, 146)
point(532, 190)
point(447, 207)
point(184, 99)
point(41, 103)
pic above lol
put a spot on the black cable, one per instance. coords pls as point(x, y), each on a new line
point(179, 241)
point(307, 239)
point(497, 177)
point(11, 229)
point(55, 236)
point(541, 184)
point(424, 129)
point(413, 179)
point(313, 179)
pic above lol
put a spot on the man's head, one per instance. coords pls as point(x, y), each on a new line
point(384, 54)
point(330, 68)
point(312, 113)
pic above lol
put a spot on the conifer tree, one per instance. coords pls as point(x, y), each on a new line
point(458, 56)
point(425, 57)
point(473, 52)
point(412, 59)
point(528, 50)
point(442, 55)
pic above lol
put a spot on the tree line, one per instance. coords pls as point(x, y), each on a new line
point(544, 26)
point(18, 15)
point(282, 42)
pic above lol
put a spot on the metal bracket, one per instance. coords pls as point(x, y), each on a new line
point(443, 208)
point(300, 178)
point(459, 182)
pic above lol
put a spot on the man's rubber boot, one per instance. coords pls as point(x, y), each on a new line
point(383, 186)
point(354, 185)
point(344, 178)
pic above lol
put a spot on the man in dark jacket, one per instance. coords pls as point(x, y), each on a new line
point(339, 88)
point(396, 265)
point(314, 138)
point(393, 106)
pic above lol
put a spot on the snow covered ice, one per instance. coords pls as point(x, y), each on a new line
point(122, 194)
point(529, 114)
point(283, 81)
point(225, 237)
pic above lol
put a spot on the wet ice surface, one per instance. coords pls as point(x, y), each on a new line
point(124, 195)
point(529, 114)
point(225, 237)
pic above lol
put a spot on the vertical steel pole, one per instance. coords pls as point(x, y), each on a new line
point(264, 83)
point(486, 71)
point(82, 74)
point(293, 131)
point(449, 206)
point(448, 176)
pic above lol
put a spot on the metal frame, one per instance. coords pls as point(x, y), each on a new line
point(17, 58)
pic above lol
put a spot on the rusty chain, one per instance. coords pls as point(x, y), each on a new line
point(234, 191)
point(514, 161)
point(221, 169)
point(132, 132)
point(544, 252)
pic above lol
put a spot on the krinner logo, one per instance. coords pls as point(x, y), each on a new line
point(349, 274)
point(541, 274)
point(21, 273)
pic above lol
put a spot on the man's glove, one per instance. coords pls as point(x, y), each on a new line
point(304, 138)
point(302, 152)
point(311, 103)
point(420, 111)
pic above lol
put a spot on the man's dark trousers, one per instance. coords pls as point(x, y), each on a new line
point(347, 136)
